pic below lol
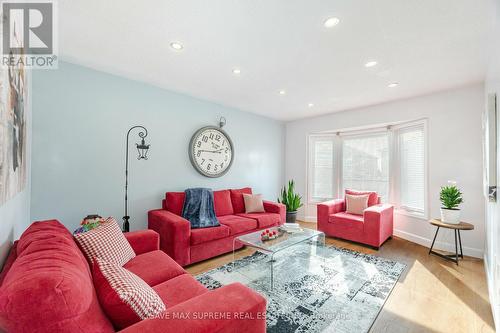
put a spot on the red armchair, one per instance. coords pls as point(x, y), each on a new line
point(373, 228)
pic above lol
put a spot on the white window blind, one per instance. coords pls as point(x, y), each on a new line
point(412, 168)
point(321, 182)
point(365, 163)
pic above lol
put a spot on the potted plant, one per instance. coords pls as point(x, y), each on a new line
point(291, 200)
point(450, 197)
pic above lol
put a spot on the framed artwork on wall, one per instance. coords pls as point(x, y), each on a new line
point(13, 131)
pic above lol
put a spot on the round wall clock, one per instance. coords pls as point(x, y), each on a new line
point(211, 151)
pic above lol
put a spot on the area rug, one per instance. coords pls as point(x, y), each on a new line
point(316, 288)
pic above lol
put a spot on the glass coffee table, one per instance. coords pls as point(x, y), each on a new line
point(284, 241)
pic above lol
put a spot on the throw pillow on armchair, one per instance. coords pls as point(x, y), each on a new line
point(356, 204)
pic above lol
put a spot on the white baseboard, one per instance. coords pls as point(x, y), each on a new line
point(469, 251)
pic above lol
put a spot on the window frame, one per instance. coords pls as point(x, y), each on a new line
point(359, 135)
point(394, 164)
point(310, 173)
point(396, 197)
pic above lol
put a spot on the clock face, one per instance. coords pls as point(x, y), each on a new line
point(211, 151)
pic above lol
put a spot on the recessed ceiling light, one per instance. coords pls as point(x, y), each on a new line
point(282, 92)
point(393, 85)
point(176, 46)
point(310, 105)
point(236, 71)
point(371, 64)
point(331, 22)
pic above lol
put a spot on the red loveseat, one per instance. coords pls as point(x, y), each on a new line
point(187, 246)
point(46, 286)
point(373, 228)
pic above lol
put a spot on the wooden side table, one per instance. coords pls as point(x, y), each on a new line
point(456, 228)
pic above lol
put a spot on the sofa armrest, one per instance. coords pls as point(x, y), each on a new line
point(143, 241)
point(327, 208)
point(175, 234)
point(332, 206)
point(276, 208)
point(232, 308)
point(379, 219)
point(380, 212)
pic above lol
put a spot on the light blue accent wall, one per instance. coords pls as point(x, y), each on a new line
point(80, 119)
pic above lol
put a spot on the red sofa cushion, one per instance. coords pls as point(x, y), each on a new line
point(264, 220)
point(125, 297)
point(349, 221)
point(175, 202)
point(179, 289)
point(222, 203)
point(238, 224)
point(343, 216)
point(237, 199)
point(106, 242)
point(372, 199)
point(154, 267)
point(49, 286)
point(204, 235)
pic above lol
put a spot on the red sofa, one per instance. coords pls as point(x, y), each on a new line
point(46, 286)
point(187, 246)
point(373, 228)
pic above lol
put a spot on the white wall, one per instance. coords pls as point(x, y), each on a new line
point(80, 119)
point(455, 153)
point(15, 213)
point(492, 246)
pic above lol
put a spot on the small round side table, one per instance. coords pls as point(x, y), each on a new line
point(456, 228)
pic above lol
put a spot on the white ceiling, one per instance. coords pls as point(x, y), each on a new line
point(425, 45)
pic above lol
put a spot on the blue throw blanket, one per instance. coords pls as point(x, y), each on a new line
point(199, 208)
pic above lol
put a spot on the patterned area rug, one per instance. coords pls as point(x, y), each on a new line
point(316, 288)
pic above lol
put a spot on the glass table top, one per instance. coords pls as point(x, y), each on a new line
point(285, 239)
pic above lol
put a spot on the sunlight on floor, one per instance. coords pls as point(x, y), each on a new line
point(431, 296)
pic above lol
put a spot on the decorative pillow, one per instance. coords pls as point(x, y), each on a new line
point(174, 202)
point(253, 203)
point(222, 203)
point(106, 242)
point(372, 199)
point(356, 204)
point(124, 296)
point(237, 199)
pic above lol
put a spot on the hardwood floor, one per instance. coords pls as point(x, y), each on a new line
point(432, 295)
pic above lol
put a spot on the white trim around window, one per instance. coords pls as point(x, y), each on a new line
point(317, 192)
point(401, 208)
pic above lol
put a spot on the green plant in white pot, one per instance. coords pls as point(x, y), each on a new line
point(291, 200)
point(451, 198)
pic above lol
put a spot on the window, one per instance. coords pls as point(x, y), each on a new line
point(365, 163)
point(412, 168)
point(321, 160)
point(391, 162)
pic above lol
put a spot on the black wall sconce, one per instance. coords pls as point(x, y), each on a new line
point(142, 149)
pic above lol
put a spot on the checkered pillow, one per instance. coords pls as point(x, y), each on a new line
point(106, 242)
point(124, 296)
